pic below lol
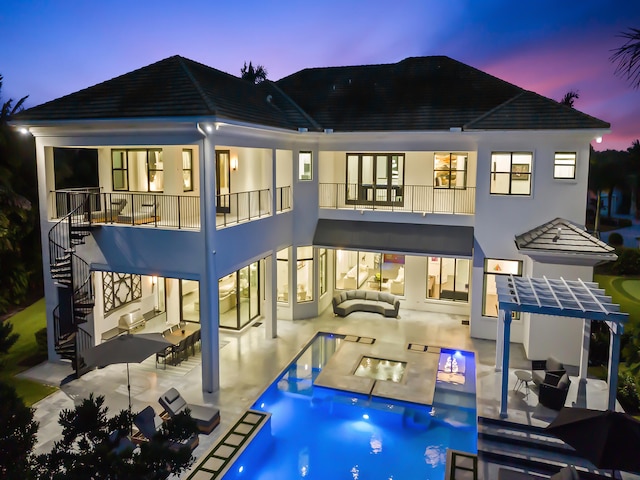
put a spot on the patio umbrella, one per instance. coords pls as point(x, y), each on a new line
point(126, 349)
point(607, 439)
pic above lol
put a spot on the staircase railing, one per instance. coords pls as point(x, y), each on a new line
point(72, 272)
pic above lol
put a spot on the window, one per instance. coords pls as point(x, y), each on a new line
point(189, 300)
point(155, 172)
point(305, 166)
point(375, 178)
point(282, 289)
point(564, 165)
point(511, 173)
point(304, 266)
point(137, 170)
point(492, 268)
point(187, 170)
point(356, 270)
point(450, 170)
point(323, 271)
point(448, 279)
point(119, 170)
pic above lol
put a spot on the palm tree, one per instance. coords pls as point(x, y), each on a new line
point(628, 57)
point(253, 75)
point(570, 97)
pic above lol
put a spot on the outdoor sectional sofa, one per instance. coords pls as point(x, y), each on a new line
point(350, 301)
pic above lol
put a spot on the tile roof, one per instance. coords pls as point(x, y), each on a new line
point(176, 87)
point(562, 236)
point(418, 93)
point(424, 93)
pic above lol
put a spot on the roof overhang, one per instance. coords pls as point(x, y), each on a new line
point(421, 239)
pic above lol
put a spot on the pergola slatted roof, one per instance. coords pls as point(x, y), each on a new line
point(560, 297)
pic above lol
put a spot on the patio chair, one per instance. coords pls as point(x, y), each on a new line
point(179, 351)
point(207, 418)
point(149, 423)
point(197, 337)
point(539, 368)
point(554, 390)
point(162, 355)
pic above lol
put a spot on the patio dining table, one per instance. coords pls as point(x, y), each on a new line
point(180, 334)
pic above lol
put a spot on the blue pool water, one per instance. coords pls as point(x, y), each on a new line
point(320, 433)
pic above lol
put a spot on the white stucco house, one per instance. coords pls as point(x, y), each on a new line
point(179, 193)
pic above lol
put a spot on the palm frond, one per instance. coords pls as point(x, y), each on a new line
point(627, 57)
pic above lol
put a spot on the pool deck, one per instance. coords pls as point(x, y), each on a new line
point(249, 362)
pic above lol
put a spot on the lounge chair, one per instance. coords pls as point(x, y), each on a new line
point(149, 423)
point(110, 213)
point(148, 212)
point(554, 390)
point(539, 369)
point(207, 418)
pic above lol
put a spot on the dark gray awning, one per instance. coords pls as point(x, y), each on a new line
point(436, 240)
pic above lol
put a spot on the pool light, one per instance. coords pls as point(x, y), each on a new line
point(262, 405)
point(241, 469)
point(365, 416)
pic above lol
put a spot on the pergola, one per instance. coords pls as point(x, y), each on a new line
point(562, 298)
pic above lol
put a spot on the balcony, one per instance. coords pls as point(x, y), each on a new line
point(234, 208)
point(406, 198)
point(147, 209)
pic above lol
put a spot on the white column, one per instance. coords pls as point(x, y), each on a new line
point(209, 304)
point(614, 360)
point(584, 351)
point(270, 285)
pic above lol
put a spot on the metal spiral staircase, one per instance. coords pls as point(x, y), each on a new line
point(72, 276)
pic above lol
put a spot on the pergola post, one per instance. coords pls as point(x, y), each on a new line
point(614, 360)
point(584, 351)
point(505, 319)
point(499, 341)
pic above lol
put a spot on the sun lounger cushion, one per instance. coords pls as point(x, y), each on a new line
point(206, 417)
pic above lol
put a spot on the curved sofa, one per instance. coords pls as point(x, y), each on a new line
point(350, 301)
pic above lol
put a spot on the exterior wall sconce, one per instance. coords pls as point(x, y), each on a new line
point(234, 163)
point(154, 280)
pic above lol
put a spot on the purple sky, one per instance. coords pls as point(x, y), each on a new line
point(52, 48)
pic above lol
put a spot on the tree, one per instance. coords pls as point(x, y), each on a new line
point(253, 75)
point(17, 427)
point(19, 237)
point(570, 97)
point(627, 57)
point(95, 446)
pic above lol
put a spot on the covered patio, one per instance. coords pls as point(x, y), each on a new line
point(561, 298)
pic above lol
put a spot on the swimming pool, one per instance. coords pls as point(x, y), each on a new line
point(323, 433)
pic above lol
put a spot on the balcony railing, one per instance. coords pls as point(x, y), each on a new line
point(153, 209)
point(283, 199)
point(233, 208)
point(394, 198)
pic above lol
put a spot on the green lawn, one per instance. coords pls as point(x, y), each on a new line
point(624, 291)
point(23, 354)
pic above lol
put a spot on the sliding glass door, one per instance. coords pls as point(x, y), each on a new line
point(375, 178)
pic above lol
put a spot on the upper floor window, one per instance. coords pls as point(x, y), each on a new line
point(137, 170)
point(187, 170)
point(450, 170)
point(305, 166)
point(564, 165)
point(375, 178)
point(511, 173)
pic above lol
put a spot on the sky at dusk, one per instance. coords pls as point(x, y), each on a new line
point(51, 48)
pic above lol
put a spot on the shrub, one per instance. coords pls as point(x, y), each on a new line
point(41, 341)
point(628, 262)
point(615, 240)
point(628, 393)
